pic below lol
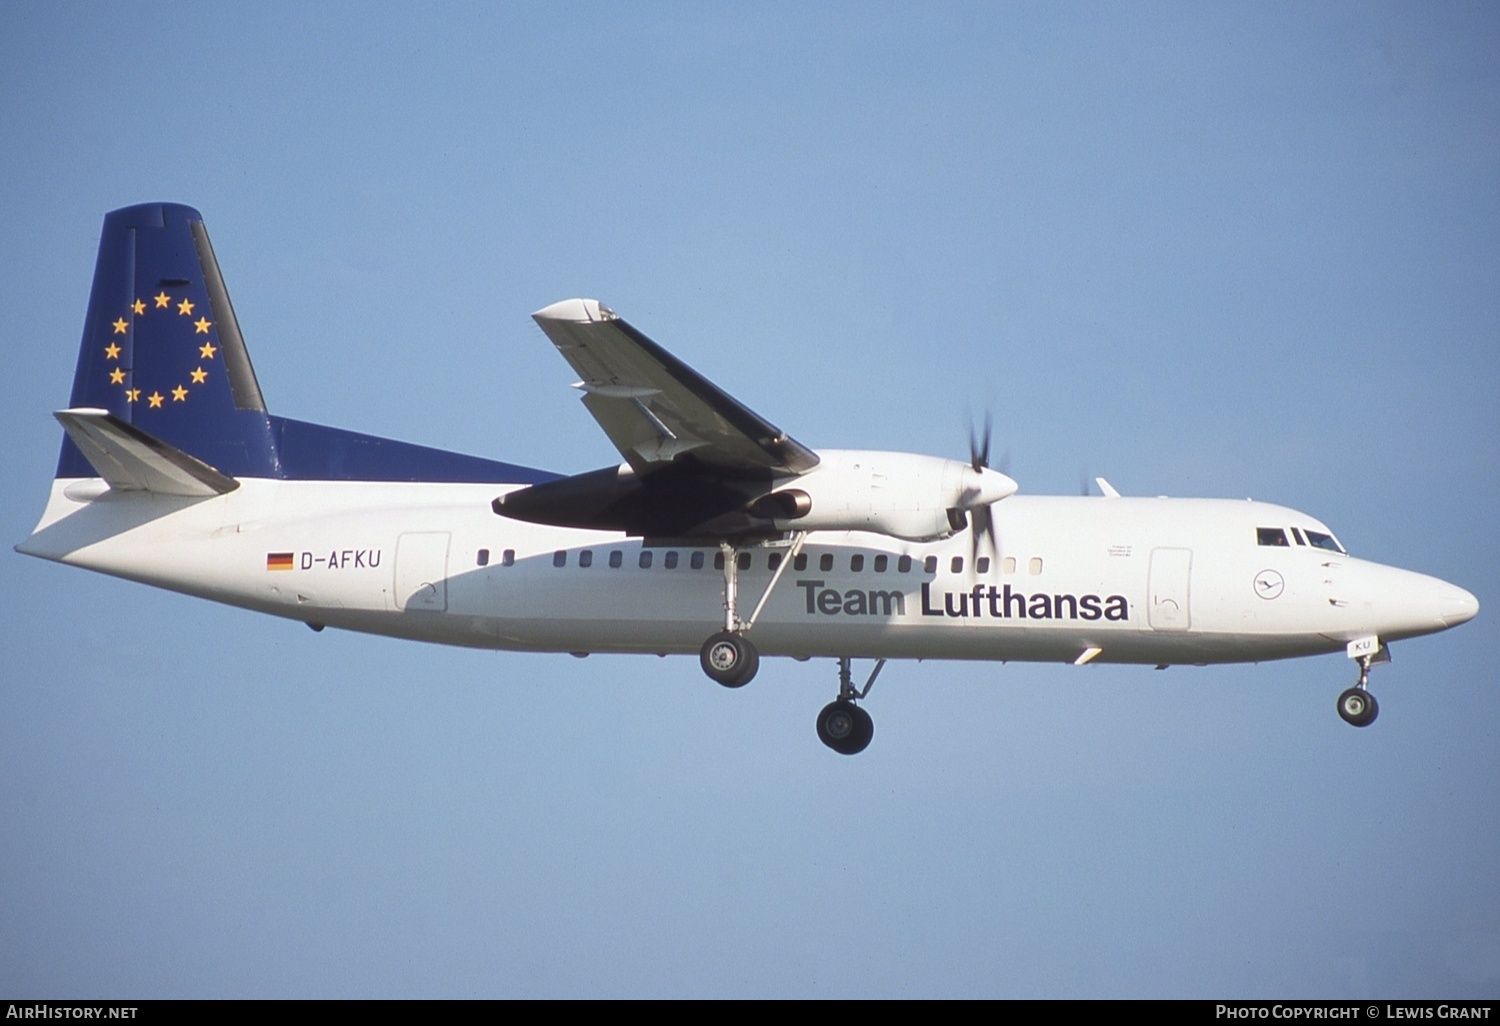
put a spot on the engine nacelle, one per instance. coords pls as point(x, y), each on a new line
point(905, 495)
point(919, 498)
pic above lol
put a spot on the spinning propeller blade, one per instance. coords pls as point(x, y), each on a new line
point(981, 521)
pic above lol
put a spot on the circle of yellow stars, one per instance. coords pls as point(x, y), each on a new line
point(206, 351)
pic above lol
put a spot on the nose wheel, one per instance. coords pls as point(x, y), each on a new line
point(1357, 707)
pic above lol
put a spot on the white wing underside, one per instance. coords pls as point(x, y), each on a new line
point(653, 407)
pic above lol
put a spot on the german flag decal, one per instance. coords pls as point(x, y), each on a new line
point(279, 561)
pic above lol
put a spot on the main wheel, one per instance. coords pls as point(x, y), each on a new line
point(729, 659)
point(864, 729)
point(845, 727)
point(1358, 707)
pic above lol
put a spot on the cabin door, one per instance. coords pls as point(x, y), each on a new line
point(1167, 589)
point(422, 571)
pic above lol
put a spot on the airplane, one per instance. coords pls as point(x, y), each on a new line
point(718, 533)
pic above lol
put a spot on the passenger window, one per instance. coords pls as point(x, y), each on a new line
point(560, 558)
point(880, 564)
point(719, 560)
point(1274, 536)
point(957, 566)
point(646, 555)
point(929, 565)
point(586, 558)
point(616, 558)
point(825, 562)
point(856, 563)
point(1035, 566)
point(903, 564)
point(1319, 540)
point(696, 561)
point(800, 563)
point(508, 557)
point(743, 560)
point(483, 559)
point(670, 560)
point(1008, 565)
point(773, 561)
point(982, 565)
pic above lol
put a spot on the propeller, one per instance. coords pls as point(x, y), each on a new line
point(987, 487)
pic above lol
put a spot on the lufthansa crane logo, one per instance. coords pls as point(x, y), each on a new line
point(1268, 584)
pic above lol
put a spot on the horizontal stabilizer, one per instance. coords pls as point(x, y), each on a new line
point(130, 460)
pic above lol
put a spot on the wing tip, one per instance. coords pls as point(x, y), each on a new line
point(575, 311)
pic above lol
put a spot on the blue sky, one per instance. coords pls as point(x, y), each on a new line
point(1218, 250)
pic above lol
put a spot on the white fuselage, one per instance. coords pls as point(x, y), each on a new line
point(1140, 580)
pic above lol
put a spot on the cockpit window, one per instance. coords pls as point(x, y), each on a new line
point(1271, 536)
point(1319, 540)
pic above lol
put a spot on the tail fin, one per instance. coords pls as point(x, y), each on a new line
point(161, 348)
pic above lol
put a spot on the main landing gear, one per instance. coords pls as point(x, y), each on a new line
point(842, 725)
point(1357, 706)
point(728, 657)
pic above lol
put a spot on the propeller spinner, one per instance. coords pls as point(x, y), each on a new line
point(982, 488)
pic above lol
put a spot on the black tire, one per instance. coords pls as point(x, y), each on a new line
point(1358, 707)
point(729, 659)
point(866, 730)
point(845, 727)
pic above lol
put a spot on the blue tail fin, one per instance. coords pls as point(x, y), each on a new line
point(162, 352)
point(161, 349)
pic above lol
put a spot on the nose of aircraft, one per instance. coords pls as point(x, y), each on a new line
point(1455, 606)
point(1401, 604)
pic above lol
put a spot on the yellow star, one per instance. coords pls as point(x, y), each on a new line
point(112, 351)
point(139, 307)
point(202, 324)
point(155, 399)
point(120, 326)
point(117, 377)
point(185, 307)
point(179, 394)
point(132, 394)
point(199, 376)
point(207, 350)
point(162, 299)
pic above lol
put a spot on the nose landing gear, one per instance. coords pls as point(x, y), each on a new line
point(1357, 707)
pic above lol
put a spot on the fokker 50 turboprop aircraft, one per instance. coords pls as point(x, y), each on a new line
point(718, 534)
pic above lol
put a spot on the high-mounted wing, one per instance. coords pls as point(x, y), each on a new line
point(654, 407)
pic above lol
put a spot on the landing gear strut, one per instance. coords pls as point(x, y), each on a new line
point(842, 725)
point(728, 657)
point(1357, 706)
